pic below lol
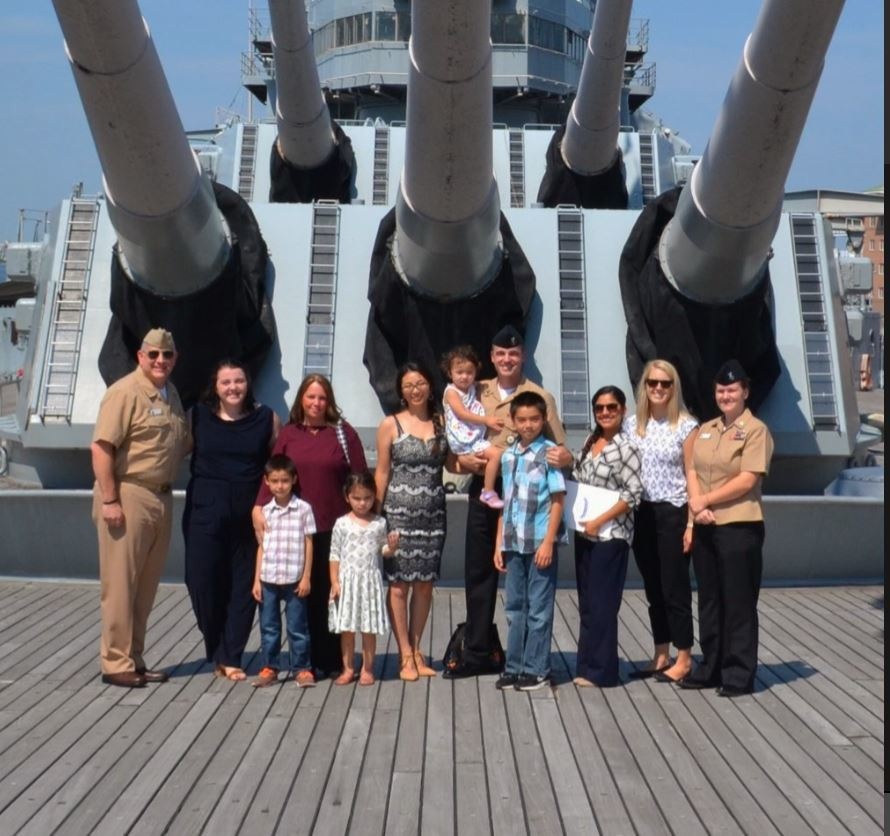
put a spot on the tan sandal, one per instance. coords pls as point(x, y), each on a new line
point(232, 674)
point(407, 670)
point(345, 678)
point(423, 669)
point(366, 678)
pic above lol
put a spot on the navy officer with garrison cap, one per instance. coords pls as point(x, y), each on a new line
point(480, 575)
point(139, 441)
point(730, 456)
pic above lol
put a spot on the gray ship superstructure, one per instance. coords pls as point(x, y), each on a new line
point(455, 164)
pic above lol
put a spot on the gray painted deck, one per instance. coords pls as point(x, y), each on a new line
point(804, 754)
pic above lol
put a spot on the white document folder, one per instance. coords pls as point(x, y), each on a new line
point(586, 502)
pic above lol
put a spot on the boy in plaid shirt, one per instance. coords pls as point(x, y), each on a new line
point(283, 569)
point(526, 545)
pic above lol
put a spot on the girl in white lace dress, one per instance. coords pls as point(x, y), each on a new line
point(358, 540)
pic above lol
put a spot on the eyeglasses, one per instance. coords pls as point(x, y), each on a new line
point(652, 383)
point(413, 387)
point(606, 407)
point(153, 354)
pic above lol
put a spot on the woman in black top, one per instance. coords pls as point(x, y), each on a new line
point(232, 439)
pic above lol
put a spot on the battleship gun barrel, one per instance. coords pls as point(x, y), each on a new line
point(590, 142)
point(447, 243)
point(305, 134)
point(172, 237)
point(716, 246)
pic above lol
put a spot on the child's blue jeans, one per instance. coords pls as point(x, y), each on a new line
point(296, 619)
point(529, 609)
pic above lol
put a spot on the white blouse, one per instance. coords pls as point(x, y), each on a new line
point(661, 450)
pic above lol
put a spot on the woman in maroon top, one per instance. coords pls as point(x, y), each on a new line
point(324, 449)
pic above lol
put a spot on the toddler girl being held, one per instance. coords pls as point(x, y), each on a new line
point(466, 424)
point(358, 540)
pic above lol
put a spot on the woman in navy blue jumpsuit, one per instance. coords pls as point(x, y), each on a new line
point(232, 439)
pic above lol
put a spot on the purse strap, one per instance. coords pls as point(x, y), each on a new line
point(341, 437)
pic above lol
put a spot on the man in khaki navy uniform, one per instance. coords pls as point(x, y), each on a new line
point(731, 455)
point(480, 574)
point(140, 439)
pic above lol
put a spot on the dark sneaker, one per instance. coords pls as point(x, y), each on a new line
point(532, 683)
point(507, 680)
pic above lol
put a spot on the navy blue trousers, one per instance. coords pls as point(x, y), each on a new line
point(600, 570)
point(220, 560)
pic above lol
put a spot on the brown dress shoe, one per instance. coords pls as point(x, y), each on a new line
point(125, 679)
point(153, 676)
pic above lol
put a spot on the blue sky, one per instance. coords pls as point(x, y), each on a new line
point(45, 145)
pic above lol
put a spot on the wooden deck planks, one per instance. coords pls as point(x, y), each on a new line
point(804, 754)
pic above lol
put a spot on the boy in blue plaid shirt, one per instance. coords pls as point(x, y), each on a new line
point(528, 529)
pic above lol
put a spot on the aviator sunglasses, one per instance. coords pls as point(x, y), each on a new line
point(606, 407)
point(659, 384)
point(153, 354)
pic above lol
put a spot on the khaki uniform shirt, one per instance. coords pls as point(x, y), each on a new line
point(150, 436)
point(720, 453)
point(490, 397)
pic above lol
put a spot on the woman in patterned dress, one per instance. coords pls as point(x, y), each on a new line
point(411, 452)
point(607, 460)
point(664, 433)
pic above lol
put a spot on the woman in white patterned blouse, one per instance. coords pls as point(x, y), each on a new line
point(608, 460)
point(664, 432)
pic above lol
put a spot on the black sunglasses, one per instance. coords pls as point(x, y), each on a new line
point(659, 384)
point(606, 407)
point(153, 354)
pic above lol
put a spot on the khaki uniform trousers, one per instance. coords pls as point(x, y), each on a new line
point(131, 559)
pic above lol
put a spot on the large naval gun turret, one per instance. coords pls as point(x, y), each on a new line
point(437, 171)
point(186, 254)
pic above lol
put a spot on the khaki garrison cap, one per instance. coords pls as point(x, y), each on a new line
point(159, 338)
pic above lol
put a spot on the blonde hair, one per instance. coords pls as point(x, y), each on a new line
point(676, 406)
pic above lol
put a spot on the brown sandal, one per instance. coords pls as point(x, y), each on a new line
point(423, 669)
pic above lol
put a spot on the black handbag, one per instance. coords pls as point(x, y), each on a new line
point(454, 651)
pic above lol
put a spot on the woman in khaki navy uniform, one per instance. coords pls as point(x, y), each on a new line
point(141, 436)
point(730, 456)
